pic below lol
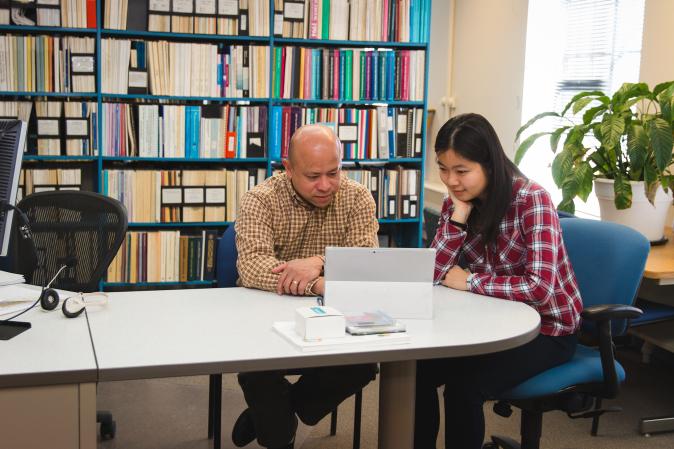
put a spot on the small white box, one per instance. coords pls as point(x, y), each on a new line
point(317, 322)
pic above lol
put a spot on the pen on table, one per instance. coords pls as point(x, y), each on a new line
point(319, 301)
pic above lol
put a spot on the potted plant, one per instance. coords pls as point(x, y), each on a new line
point(624, 144)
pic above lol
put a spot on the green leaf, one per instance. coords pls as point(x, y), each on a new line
point(661, 138)
point(584, 175)
point(623, 192)
point(612, 128)
point(567, 205)
point(662, 86)
point(580, 104)
point(595, 93)
point(522, 150)
point(534, 120)
point(627, 91)
point(591, 113)
point(651, 189)
point(650, 174)
point(637, 148)
point(555, 136)
point(562, 166)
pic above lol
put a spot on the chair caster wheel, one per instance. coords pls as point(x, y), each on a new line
point(108, 430)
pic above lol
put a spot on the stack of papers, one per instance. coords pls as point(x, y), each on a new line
point(15, 298)
point(287, 330)
point(7, 278)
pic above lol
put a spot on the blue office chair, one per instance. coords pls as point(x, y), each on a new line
point(227, 275)
point(608, 260)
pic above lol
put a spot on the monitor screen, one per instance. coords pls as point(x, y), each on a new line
point(12, 145)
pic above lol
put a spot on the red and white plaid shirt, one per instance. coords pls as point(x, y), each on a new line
point(528, 263)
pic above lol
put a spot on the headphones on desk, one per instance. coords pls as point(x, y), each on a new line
point(73, 306)
point(49, 297)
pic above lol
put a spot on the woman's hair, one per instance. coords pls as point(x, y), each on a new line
point(472, 137)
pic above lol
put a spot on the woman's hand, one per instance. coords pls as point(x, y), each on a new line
point(462, 209)
point(456, 278)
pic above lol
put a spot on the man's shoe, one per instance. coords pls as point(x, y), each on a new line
point(244, 429)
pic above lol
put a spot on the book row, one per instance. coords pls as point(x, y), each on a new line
point(53, 13)
point(226, 17)
point(47, 64)
point(358, 20)
point(174, 196)
point(165, 256)
point(348, 74)
point(175, 131)
point(380, 132)
point(395, 190)
point(184, 68)
point(43, 180)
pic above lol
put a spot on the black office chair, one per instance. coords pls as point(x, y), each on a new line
point(227, 274)
point(608, 260)
point(82, 230)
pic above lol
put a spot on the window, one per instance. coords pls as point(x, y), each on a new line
point(572, 46)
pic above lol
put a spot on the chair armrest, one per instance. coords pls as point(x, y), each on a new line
point(610, 312)
point(602, 316)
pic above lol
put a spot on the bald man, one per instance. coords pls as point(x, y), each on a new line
point(282, 229)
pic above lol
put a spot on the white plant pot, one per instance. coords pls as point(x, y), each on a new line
point(642, 216)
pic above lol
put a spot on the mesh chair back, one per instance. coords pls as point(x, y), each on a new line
point(82, 230)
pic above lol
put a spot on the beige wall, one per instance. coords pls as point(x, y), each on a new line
point(657, 64)
point(486, 73)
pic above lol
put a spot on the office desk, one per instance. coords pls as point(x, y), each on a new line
point(47, 383)
point(195, 332)
point(658, 286)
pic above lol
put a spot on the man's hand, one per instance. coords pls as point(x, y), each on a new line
point(296, 274)
point(456, 278)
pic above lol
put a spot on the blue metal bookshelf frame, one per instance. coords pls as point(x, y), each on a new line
point(271, 41)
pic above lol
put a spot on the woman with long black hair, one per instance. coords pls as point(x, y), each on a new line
point(498, 235)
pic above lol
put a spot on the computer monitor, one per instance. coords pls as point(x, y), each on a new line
point(12, 145)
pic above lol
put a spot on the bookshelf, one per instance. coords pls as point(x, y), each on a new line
point(366, 161)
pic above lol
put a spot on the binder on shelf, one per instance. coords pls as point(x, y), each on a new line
point(159, 15)
point(4, 12)
point(182, 13)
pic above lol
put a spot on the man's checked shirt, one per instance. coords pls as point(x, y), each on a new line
point(528, 263)
point(275, 225)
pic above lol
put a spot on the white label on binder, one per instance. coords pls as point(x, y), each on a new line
point(171, 196)
point(183, 6)
point(348, 133)
point(205, 6)
point(228, 7)
point(391, 207)
point(406, 207)
point(402, 124)
point(194, 195)
point(4, 16)
point(47, 127)
point(160, 5)
point(215, 195)
point(137, 79)
point(76, 127)
point(83, 64)
point(255, 141)
point(278, 24)
point(293, 10)
point(37, 189)
point(69, 188)
point(48, 2)
point(243, 22)
point(413, 210)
